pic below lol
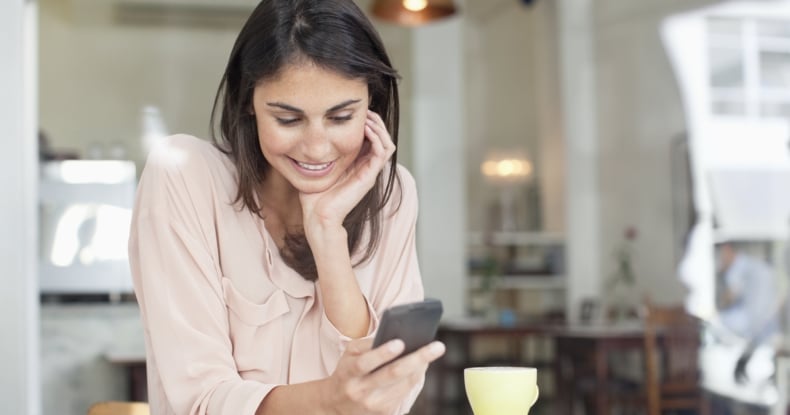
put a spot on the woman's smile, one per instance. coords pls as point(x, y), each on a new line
point(312, 169)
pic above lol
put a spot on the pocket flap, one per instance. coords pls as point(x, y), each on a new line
point(249, 312)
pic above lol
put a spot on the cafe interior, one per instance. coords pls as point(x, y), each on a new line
point(603, 192)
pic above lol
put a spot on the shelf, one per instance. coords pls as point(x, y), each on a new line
point(519, 282)
point(517, 238)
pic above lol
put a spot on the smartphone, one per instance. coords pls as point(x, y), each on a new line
point(414, 323)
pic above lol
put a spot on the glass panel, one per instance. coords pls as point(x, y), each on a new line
point(726, 68)
point(775, 109)
point(775, 70)
point(728, 107)
point(719, 26)
point(773, 28)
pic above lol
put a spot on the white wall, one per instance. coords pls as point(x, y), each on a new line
point(96, 75)
point(622, 105)
point(19, 379)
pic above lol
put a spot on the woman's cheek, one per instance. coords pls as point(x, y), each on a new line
point(352, 139)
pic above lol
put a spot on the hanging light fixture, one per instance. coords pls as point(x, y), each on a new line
point(413, 12)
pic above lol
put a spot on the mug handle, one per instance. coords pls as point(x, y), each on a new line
point(537, 392)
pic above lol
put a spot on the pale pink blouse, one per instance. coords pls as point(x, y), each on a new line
point(226, 320)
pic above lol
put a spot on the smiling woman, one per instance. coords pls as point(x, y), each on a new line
point(263, 262)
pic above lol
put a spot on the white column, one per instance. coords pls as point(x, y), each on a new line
point(577, 80)
point(19, 352)
point(439, 157)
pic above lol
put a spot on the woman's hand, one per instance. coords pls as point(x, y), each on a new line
point(329, 208)
point(354, 387)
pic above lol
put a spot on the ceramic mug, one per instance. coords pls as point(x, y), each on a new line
point(501, 390)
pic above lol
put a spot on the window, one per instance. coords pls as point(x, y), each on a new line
point(749, 67)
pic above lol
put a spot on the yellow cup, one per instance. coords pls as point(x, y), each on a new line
point(501, 390)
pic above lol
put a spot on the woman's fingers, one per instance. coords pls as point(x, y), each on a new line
point(375, 125)
point(392, 395)
point(406, 366)
point(393, 382)
point(359, 346)
point(360, 388)
point(367, 362)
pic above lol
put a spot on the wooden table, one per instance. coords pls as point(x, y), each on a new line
point(134, 365)
point(577, 345)
point(459, 335)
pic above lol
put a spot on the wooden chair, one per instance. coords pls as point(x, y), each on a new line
point(119, 408)
point(672, 341)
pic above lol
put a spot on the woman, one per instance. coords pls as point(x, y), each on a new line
point(261, 263)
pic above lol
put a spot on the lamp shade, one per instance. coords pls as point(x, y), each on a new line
point(413, 12)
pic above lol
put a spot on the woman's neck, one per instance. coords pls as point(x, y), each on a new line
point(280, 206)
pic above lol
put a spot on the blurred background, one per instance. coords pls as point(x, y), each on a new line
point(582, 166)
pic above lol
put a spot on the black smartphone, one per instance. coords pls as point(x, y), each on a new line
point(414, 323)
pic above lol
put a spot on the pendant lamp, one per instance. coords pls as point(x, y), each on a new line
point(413, 12)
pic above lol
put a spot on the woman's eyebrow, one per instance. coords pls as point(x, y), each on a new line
point(291, 108)
point(343, 104)
point(285, 107)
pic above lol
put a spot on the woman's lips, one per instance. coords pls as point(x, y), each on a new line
point(313, 169)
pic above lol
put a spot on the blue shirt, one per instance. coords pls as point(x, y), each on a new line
point(753, 284)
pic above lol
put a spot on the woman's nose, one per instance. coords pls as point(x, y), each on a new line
point(315, 143)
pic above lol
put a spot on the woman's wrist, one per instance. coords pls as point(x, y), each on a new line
point(322, 237)
point(326, 396)
point(313, 397)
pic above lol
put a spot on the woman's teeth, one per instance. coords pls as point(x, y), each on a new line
point(314, 167)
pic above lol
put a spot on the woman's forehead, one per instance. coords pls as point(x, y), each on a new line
point(306, 81)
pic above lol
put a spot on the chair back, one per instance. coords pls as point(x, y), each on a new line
point(119, 408)
point(672, 342)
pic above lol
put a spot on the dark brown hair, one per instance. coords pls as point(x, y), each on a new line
point(334, 35)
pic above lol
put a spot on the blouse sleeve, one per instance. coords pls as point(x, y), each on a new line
point(178, 286)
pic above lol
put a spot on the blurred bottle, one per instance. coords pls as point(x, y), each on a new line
point(153, 127)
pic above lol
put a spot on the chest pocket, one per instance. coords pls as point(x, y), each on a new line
point(256, 331)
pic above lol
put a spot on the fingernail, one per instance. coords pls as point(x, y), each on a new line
point(395, 346)
point(437, 348)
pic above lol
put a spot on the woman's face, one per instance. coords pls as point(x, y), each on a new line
point(311, 125)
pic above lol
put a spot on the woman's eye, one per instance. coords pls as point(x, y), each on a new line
point(287, 121)
point(340, 119)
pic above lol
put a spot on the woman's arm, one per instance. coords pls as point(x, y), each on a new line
point(344, 303)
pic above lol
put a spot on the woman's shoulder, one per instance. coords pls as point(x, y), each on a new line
point(181, 150)
point(186, 161)
point(183, 153)
point(404, 192)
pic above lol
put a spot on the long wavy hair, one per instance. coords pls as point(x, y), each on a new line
point(334, 35)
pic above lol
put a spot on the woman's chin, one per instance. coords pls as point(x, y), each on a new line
point(313, 188)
